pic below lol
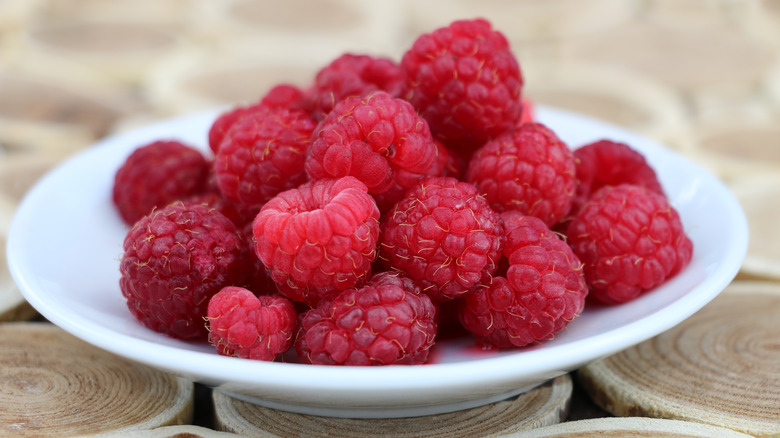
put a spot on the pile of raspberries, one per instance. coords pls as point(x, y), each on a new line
point(354, 221)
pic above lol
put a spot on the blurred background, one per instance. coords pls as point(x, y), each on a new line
point(700, 76)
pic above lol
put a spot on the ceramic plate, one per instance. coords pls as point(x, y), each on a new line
point(65, 244)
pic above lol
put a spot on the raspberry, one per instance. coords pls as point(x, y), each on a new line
point(386, 322)
point(444, 235)
point(544, 288)
point(283, 96)
point(351, 75)
point(378, 139)
point(262, 155)
point(319, 238)
point(529, 169)
point(465, 81)
point(251, 327)
point(606, 162)
point(630, 240)
point(156, 174)
point(175, 259)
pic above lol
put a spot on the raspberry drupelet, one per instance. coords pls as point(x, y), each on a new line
point(386, 322)
point(175, 259)
point(379, 140)
point(244, 325)
point(630, 240)
point(543, 291)
point(444, 235)
point(156, 174)
point(465, 81)
point(528, 169)
point(318, 239)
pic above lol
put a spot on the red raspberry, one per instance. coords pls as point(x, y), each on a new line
point(175, 259)
point(544, 288)
point(156, 174)
point(386, 322)
point(251, 327)
point(283, 96)
point(443, 234)
point(465, 81)
point(630, 240)
point(319, 238)
point(376, 138)
point(606, 162)
point(262, 155)
point(529, 169)
point(351, 75)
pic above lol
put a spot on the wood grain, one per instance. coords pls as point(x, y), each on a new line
point(542, 406)
point(721, 366)
point(631, 427)
point(53, 384)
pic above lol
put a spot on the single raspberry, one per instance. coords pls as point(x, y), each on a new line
point(443, 234)
point(319, 238)
point(544, 288)
point(244, 325)
point(630, 240)
point(351, 75)
point(465, 81)
point(226, 120)
point(607, 162)
point(175, 259)
point(386, 322)
point(528, 169)
point(156, 174)
point(262, 155)
point(376, 138)
point(286, 96)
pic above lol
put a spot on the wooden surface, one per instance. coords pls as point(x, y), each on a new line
point(542, 406)
point(54, 384)
point(701, 76)
point(719, 366)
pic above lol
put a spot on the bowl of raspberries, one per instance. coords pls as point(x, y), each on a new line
point(396, 238)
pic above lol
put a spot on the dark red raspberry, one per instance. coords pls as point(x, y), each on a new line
point(351, 75)
point(376, 138)
point(607, 162)
point(465, 81)
point(386, 322)
point(156, 174)
point(262, 155)
point(630, 240)
point(544, 288)
point(175, 259)
point(443, 234)
point(319, 238)
point(529, 169)
point(252, 327)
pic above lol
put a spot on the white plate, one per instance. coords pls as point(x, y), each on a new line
point(66, 241)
